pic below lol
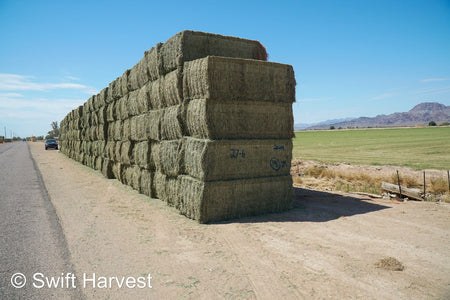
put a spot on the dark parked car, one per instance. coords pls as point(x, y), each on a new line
point(51, 144)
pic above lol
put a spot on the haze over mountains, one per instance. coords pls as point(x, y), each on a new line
point(420, 114)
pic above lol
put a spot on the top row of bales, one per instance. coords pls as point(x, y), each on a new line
point(170, 56)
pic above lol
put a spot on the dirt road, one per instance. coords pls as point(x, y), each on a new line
point(31, 239)
point(325, 247)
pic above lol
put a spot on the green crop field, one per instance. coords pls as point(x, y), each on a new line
point(419, 148)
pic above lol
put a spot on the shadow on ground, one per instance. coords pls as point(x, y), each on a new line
point(316, 206)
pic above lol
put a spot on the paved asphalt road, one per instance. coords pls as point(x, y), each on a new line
point(31, 238)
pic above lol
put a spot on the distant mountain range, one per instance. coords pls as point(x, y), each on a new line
point(421, 114)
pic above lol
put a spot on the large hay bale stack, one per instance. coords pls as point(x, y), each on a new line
point(202, 122)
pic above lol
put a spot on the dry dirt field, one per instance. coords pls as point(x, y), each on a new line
point(328, 246)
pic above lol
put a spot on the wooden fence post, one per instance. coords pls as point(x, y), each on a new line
point(399, 186)
point(424, 186)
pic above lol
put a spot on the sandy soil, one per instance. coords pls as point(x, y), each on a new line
point(328, 246)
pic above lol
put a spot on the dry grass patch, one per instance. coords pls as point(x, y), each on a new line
point(439, 186)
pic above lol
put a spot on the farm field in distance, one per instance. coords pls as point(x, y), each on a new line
point(418, 148)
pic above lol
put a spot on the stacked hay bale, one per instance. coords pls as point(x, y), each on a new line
point(202, 122)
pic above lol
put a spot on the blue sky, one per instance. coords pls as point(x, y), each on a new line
point(351, 58)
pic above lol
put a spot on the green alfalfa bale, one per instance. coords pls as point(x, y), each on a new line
point(138, 75)
point(111, 112)
point(111, 131)
point(101, 114)
point(93, 133)
point(109, 97)
point(79, 157)
point(142, 101)
point(77, 146)
point(110, 150)
point(210, 160)
point(159, 185)
point(133, 105)
point(90, 103)
point(101, 148)
point(79, 112)
point(171, 87)
point(142, 152)
point(116, 89)
point(228, 79)
point(87, 161)
point(142, 67)
point(190, 197)
point(155, 163)
point(101, 97)
point(153, 90)
point(126, 152)
point(152, 122)
point(133, 177)
point(171, 191)
point(133, 128)
point(82, 146)
point(153, 62)
point(86, 119)
point(94, 118)
point(171, 157)
point(117, 151)
point(126, 130)
point(223, 200)
point(190, 45)
point(98, 163)
point(138, 128)
point(123, 83)
point(172, 122)
point(146, 182)
point(95, 103)
point(239, 120)
point(94, 148)
point(118, 130)
point(88, 148)
point(102, 131)
point(107, 168)
point(122, 103)
point(118, 171)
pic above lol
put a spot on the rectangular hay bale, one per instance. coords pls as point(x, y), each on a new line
point(107, 168)
point(227, 79)
point(154, 94)
point(146, 182)
point(224, 200)
point(141, 154)
point(170, 157)
point(126, 153)
point(239, 120)
point(159, 185)
point(132, 103)
point(172, 121)
point(210, 160)
point(171, 88)
point(190, 45)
